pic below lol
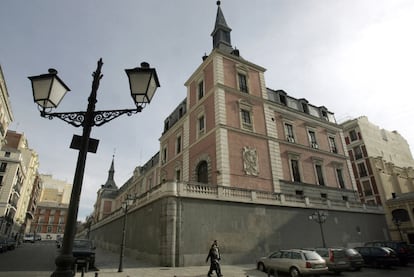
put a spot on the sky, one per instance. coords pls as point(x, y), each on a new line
point(354, 57)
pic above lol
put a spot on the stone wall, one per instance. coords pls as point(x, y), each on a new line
point(178, 231)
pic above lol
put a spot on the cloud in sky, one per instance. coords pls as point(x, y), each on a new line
point(352, 56)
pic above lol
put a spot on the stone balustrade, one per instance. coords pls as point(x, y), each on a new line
point(224, 193)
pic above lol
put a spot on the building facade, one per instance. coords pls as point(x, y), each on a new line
point(383, 167)
point(6, 114)
point(49, 220)
point(240, 161)
point(51, 211)
point(105, 201)
point(18, 171)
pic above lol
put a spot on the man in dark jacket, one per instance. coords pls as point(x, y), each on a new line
point(214, 256)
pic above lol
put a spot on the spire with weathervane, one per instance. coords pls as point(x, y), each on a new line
point(110, 182)
point(221, 32)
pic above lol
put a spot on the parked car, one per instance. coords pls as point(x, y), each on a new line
point(28, 238)
point(84, 253)
point(378, 256)
point(7, 244)
point(296, 262)
point(11, 243)
point(355, 259)
point(411, 250)
point(335, 258)
point(400, 247)
point(3, 245)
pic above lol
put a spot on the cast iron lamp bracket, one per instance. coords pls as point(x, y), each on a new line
point(77, 119)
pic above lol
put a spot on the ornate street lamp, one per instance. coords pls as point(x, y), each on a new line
point(128, 202)
point(320, 218)
point(48, 91)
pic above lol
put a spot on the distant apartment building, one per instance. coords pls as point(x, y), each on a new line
point(384, 170)
point(50, 215)
point(6, 114)
point(34, 200)
point(18, 171)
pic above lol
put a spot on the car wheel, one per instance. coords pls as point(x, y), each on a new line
point(294, 272)
point(261, 267)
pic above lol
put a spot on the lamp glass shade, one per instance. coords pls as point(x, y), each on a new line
point(48, 90)
point(130, 201)
point(143, 83)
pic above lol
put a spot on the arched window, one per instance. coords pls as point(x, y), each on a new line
point(202, 172)
point(401, 215)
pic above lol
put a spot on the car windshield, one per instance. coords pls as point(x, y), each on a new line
point(339, 253)
point(311, 256)
point(351, 251)
point(82, 244)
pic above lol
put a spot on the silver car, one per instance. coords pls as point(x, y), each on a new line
point(335, 258)
point(296, 262)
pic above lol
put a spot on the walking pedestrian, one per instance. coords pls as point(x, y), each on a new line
point(214, 256)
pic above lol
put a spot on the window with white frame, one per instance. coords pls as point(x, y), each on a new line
point(353, 135)
point(366, 185)
point(358, 153)
point(362, 169)
point(289, 132)
point(3, 167)
point(340, 177)
point(178, 174)
point(246, 119)
point(319, 174)
point(178, 144)
point(164, 154)
point(201, 122)
point(305, 107)
point(295, 167)
point(200, 89)
point(242, 78)
point(332, 144)
point(312, 139)
point(319, 171)
point(246, 115)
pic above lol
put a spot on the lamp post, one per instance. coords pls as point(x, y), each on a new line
point(320, 218)
point(48, 91)
point(128, 201)
point(397, 223)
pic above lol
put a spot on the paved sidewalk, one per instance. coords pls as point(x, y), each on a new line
point(107, 263)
